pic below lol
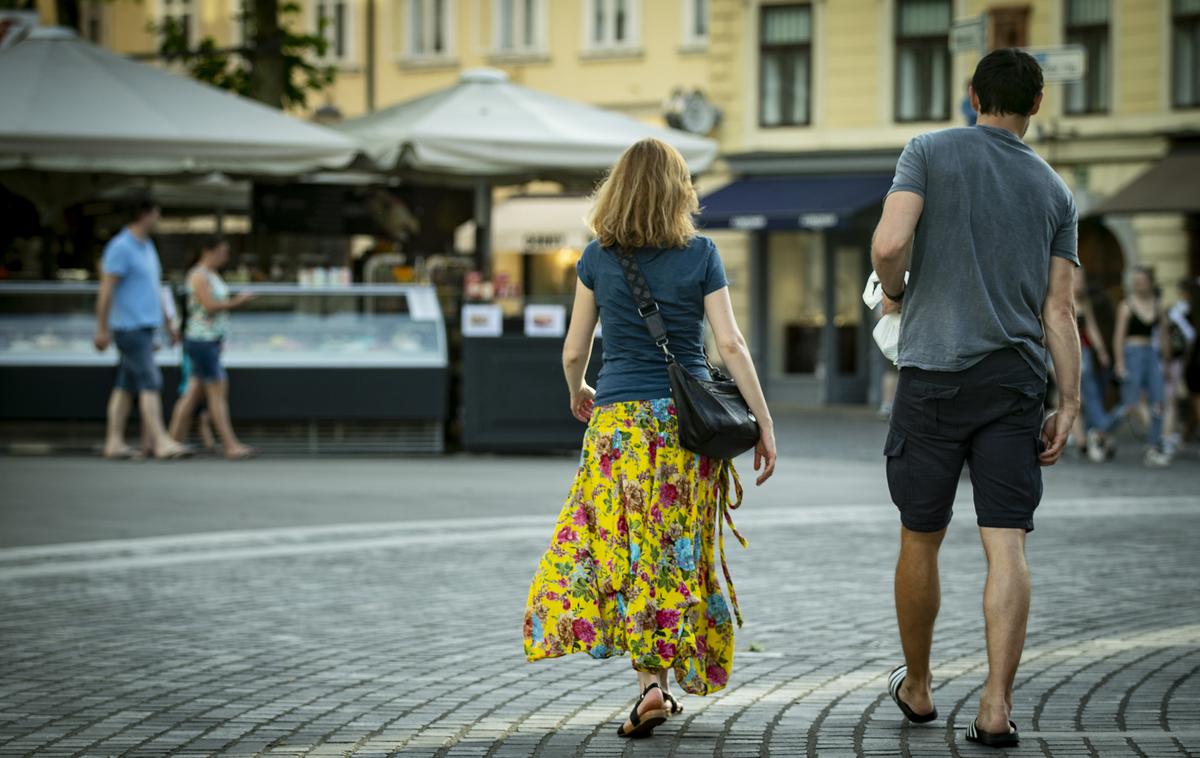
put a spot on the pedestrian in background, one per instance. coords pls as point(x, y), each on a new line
point(630, 569)
point(1191, 369)
point(1139, 350)
point(1095, 362)
point(1181, 342)
point(129, 311)
point(993, 231)
point(208, 306)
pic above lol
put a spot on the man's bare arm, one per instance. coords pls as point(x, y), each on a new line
point(108, 282)
point(889, 246)
point(1062, 338)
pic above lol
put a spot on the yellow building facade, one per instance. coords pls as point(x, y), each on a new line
point(804, 89)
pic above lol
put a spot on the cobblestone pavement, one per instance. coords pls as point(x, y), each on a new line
point(401, 636)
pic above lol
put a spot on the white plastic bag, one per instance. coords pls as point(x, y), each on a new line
point(887, 336)
point(887, 331)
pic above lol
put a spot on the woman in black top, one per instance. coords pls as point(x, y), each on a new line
point(1140, 349)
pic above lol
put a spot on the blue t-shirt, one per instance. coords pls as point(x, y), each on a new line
point(634, 367)
point(136, 303)
point(995, 213)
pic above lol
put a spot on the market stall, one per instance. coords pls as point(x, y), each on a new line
point(311, 368)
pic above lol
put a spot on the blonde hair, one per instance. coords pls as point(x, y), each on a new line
point(647, 200)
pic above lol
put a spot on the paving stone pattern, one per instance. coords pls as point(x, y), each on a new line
point(405, 640)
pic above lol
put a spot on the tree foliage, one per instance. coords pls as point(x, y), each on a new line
point(271, 44)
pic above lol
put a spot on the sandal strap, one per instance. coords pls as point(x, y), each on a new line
point(634, 718)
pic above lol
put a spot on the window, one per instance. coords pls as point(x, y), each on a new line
point(611, 24)
point(695, 23)
point(922, 60)
point(334, 24)
point(1008, 26)
point(785, 68)
point(183, 13)
point(1087, 25)
point(1185, 52)
point(91, 21)
point(428, 29)
point(518, 26)
point(242, 31)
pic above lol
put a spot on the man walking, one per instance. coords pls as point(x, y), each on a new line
point(129, 290)
point(993, 232)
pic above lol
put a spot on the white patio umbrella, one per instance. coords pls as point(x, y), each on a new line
point(486, 126)
point(71, 106)
point(489, 130)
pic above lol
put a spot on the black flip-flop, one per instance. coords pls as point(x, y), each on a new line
point(895, 680)
point(993, 739)
point(643, 724)
point(676, 708)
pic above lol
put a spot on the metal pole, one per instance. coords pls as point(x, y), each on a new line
point(369, 65)
point(760, 306)
point(483, 226)
point(829, 335)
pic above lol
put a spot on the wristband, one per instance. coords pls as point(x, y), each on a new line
point(893, 298)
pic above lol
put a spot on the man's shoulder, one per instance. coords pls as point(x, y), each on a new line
point(118, 243)
point(951, 136)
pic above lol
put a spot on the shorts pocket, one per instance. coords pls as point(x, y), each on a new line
point(931, 402)
point(1027, 397)
point(897, 468)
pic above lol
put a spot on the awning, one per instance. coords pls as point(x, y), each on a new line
point(1170, 186)
point(533, 224)
point(71, 106)
point(792, 202)
point(488, 126)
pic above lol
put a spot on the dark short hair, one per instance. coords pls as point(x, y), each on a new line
point(211, 242)
point(1007, 81)
point(140, 206)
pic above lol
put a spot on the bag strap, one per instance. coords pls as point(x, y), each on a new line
point(643, 298)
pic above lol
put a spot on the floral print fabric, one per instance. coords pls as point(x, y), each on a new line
point(630, 566)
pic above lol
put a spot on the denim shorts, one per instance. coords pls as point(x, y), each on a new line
point(205, 356)
point(988, 417)
point(137, 371)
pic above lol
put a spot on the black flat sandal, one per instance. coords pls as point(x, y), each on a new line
point(676, 708)
point(895, 681)
point(645, 723)
point(993, 739)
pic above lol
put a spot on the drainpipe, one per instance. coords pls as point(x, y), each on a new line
point(369, 64)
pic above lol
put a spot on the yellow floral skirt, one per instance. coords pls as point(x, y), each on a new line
point(630, 568)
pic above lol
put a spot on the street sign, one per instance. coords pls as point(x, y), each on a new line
point(1061, 64)
point(969, 35)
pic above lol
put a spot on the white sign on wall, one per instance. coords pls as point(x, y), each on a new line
point(1067, 63)
point(969, 35)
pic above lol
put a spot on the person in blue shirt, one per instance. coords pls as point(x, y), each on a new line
point(630, 569)
point(128, 313)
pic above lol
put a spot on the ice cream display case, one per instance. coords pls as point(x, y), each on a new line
point(342, 367)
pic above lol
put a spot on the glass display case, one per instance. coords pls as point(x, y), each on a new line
point(355, 367)
point(381, 326)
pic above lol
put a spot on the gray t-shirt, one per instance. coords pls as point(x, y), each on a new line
point(994, 214)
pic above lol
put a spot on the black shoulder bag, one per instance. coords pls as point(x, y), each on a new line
point(714, 419)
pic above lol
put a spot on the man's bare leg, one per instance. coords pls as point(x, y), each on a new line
point(918, 598)
point(150, 406)
point(1005, 611)
point(119, 404)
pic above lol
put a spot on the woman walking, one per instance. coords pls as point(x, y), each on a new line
point(1139, 349)
point(630, 568)
point(1095, 362)
point(208, 306)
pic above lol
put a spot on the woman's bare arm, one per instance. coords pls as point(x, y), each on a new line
point(577, 351)
point(718, 308)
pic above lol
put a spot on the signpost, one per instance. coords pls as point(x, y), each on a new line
point(1067, 63)
point(969, 35)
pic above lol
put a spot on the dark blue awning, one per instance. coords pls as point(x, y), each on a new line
point(792, 202)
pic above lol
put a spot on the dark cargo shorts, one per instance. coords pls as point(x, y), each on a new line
point(988, 417)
